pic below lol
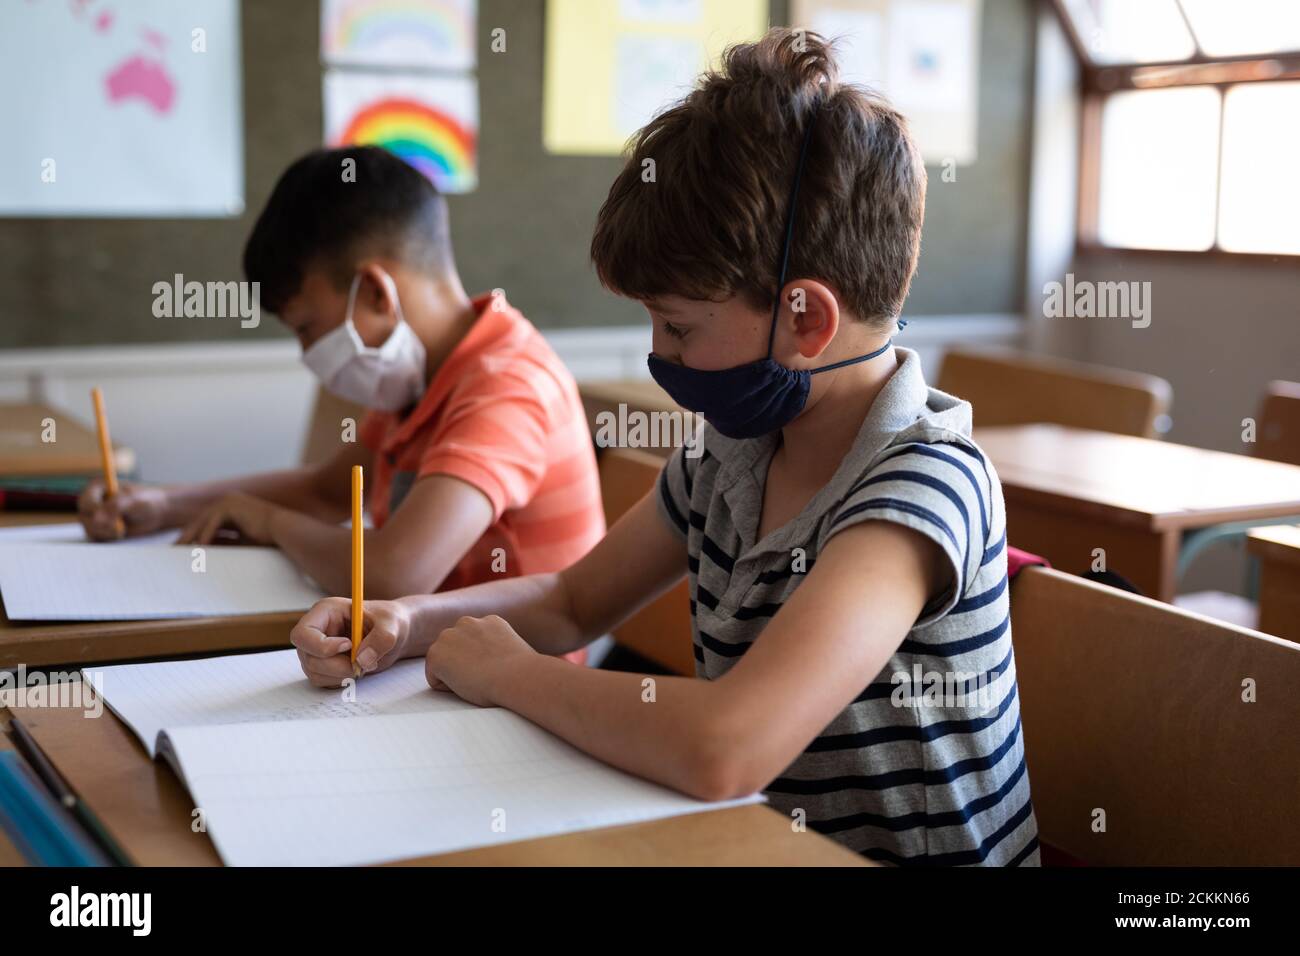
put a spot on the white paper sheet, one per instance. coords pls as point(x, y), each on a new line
point(253, 688)
point(92, 582)
point(922, 55)
point(429, 120)
point(420, 34)
point(374, 789)
point(73, 533)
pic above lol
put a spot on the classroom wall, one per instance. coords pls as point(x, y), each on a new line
point(1219, 331)
point(249, 401)
point(89, 281)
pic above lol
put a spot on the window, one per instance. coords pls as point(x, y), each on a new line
point(1191, 130)
point(1259, 200)
point(1158, 168)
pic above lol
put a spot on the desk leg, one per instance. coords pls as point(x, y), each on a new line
point(1147, 558)
point(1279, 600)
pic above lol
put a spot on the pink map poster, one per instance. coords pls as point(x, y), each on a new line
point(139, 115)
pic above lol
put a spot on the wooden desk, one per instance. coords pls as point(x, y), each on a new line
point(74, 453)
point(77, 643)
point(16, 519)
point(144, 806)
point(1069, 491)
point(1278, 551)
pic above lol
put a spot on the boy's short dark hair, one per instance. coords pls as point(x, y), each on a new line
point(327, 213)
point(711, 222)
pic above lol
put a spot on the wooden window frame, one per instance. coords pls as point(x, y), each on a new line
point(1100, 81)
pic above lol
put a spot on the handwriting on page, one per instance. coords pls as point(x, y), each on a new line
point(255, 688)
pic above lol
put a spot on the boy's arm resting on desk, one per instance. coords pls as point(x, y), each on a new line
point(441, 518)
point(712, 739)
point(322, 490)
point(555, 613)
point(732, 736)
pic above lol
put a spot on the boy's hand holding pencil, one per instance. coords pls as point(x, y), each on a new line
point(324, 643)
point(134, 509)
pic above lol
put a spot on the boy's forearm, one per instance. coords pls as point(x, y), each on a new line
point(537, 607)
point(665, 729)
point(321, 549)
point(292, 488)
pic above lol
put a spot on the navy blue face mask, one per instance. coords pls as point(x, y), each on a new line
point(746, 401)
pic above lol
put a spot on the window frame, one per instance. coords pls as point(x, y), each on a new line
point(1098, 81)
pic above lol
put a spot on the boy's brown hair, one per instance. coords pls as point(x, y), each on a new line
point(710, 222)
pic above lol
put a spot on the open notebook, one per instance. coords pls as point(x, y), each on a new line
point(50, 573)
point(70, 532)
point(288, 774)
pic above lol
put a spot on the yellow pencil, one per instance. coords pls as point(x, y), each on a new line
point(106, 452)
point(358, 567)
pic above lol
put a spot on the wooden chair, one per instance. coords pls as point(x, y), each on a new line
point(1016, 388)
point(1279, 423)
point(1135, 708)
point(1277, 438)
point(660, 631)
point(324, 430)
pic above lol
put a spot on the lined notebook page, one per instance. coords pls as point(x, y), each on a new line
point(91, 582)
point(375, 789)
point(253, 688)
point(73, 533)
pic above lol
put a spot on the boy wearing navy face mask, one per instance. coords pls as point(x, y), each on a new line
point(843, 537)
point(478, 459)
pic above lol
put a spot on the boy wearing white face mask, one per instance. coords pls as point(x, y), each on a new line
point(476, 430)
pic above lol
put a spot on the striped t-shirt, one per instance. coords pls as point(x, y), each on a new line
point(926, 765)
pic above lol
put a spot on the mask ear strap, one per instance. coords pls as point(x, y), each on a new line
point(389, 284)
point(789, 229)
point(352, 297)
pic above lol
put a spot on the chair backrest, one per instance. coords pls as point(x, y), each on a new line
point(1278, 436)
point(1183, 730)
point(661, 630)
point(1016, 388)
point(325, 429)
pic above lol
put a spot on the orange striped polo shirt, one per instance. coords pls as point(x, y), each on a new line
point(502, 413)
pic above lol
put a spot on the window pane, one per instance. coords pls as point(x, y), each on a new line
point(1245, 26)
point(1259, 203)
point(1131, 31)
point(1159, 163)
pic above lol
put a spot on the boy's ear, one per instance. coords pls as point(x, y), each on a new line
point(814, 313)
point(378, 291)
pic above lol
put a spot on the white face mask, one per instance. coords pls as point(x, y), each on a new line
point(389, 378)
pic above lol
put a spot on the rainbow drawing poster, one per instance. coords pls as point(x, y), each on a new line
point(430, 121)
point(417, 34)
